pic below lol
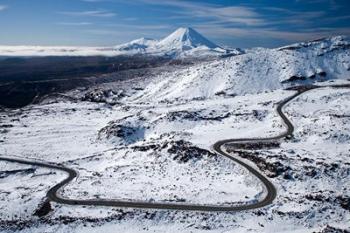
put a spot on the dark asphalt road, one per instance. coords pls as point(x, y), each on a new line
point(53, 194)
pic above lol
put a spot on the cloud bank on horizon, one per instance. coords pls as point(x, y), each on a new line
point(241, 23)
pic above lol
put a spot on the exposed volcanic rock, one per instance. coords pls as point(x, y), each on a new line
point(331, 229)
point(44, 209)
point(271, 169)
point(103, 96)
point(194, 116)
point(185, 151)
point(253, 146)
point(128, 134)
point(4, 174)
point(330, 197)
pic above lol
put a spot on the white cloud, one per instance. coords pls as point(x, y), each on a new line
point(244, 21)
point(125, 32)
point(74, 23)
point(131, 19)
point(230, 14)
point(270, 32)
point(95, 13)
point(3, 7)
point(139, 26)
point(103, 32)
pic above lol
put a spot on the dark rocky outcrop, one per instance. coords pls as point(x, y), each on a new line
point(103, 96)
point(185, 151)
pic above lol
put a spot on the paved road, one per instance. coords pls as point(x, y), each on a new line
point(53, 194)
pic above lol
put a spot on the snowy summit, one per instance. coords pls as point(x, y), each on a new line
point(186, 39)
point(184, 42)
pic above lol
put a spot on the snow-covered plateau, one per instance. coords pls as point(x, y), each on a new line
point(150, 139)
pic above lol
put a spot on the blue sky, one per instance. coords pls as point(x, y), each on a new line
point(245, 23)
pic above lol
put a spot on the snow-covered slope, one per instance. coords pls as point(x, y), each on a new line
point(186, 39)
point(257, 71)
point(159, 151)
point(184, 42)
point(136, 46)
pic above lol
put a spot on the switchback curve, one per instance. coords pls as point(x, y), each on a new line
point(54, 196)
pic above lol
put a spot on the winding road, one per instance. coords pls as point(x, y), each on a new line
point(53, 193)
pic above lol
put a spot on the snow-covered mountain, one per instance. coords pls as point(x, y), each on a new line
point(184, 42)
point(186, 39)
point(257, 71)
point(136, 46)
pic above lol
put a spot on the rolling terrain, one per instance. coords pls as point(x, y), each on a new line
point(196, 147)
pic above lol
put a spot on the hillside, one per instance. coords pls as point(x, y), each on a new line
point(257, 71)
